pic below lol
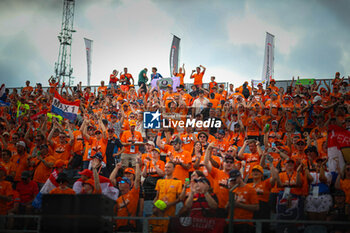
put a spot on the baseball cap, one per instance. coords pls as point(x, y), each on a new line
point(259, 168)
point(60, 163)
point(175, 139)
point(234, 173)
point(90, 182)
point(259, 84)
point(274, 122)
point(98, 155)
point(21, 143)
point(62, 177)
point(86, 172)
point(132, 123)
point(129, 170)
point(156, 149)
point(25, 175)
point(125, 179)
point(272, 80)
point(317, 98)
point(150, 143)
point(160, 205)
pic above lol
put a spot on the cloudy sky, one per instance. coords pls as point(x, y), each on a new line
point(227, 37)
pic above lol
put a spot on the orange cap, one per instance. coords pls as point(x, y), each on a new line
point(259, 168)
point(90, 182)
point(129, 170)
point(132, 123)
point(60, 163)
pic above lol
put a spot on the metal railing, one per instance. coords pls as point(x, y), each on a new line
point(145, 222)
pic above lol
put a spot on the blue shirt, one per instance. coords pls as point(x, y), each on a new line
point(156, 76)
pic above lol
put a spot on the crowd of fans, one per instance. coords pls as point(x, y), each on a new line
point(271, 148)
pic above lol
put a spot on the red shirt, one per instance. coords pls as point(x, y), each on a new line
point(28, 191)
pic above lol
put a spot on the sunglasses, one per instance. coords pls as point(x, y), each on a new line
point(97, 133)
point(229, 161)
point(300, 144)
point(202, 136)
point(229, 151)
point(174, 143)
point(122, 182)
point(232, 179)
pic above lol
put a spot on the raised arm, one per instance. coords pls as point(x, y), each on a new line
point(207, 156)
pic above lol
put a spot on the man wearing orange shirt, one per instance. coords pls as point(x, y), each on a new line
point(272, 86)
point(251, 159)
point(246, 201)
point(113, 79)
point(20, 160)
point(125, 80)
point(131, 141)
point(43, 163)
point(27, 89)
point(62, 149)
point(212, 84)
point(102, 89)
point(5, 195)
point(182, 160)
point(198, 77)
point(220, 177)
point(128, 200)
point(181, 74)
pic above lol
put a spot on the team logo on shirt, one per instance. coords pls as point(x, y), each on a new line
point(151, 120)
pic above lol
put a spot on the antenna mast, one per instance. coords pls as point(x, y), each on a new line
point(63, 69)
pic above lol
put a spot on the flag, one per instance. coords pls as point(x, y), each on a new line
point(36, 116)
point(4, 104)
point(66, 109)
point(174, 54)
point(88, 45)
point(49, 185)
point(338, 147)
point(267, 74)
point(107, 188)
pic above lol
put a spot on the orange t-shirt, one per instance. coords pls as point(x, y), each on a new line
point(58, 190)
point(251, 160)
point(62, 151)
point(290, 181)
point(245, 195)
point(181, 173)
point(21, 164)
point(5, 190)
point(151, 170)
point(187, 142)
point(78, 145)
point(345, 186)
point(198, 78)
point(262, 189)
point(127, 204)
point(220, 181)
point(181, 76)
point(42, 173)
point(131, 149)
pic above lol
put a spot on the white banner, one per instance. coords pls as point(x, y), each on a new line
point(268, 58)
point(88, 45)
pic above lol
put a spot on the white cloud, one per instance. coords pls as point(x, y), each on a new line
point(134, 34)
point(250, 30)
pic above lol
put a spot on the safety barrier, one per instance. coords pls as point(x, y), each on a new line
point(145, 222)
